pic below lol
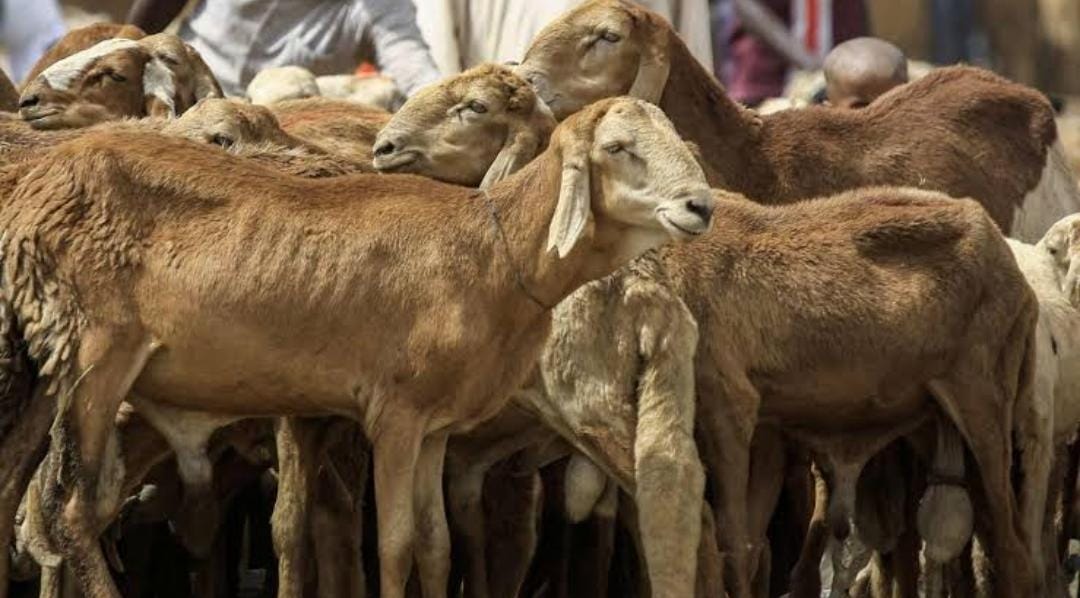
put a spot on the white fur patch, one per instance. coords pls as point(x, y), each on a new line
point(158, 82)
point(1056, 196)
point(62, 74)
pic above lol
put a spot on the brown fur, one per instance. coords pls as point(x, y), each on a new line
point(80, 39)
point(9, 96)
point(961, 130)
point(472, 129)
point(343, 127)
point(786, 297)
point(396, 259)
point(114, 85)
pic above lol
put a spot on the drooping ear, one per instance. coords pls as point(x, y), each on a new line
point(159, 89)
point(524, 141)
point(575, 199)
point(206, 85)
point(654, 37)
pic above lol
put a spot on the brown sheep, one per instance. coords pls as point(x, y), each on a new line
point(477, 128)
point(344, 127)
point(961, 130)
point(117, 78)
point(80, 39)
point(407, 401)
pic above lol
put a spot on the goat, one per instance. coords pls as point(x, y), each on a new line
point(399, 240)
point(158, 75)
point(79, 39)
point(475, 128)
point(280, 83)
point(961, 130)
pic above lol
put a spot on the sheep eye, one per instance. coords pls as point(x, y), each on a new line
point(477, 107)
point(613, 148)
point(115, 76)
point(611, 37)
point(222, 140)
point(1053, 251)
point(169, 60)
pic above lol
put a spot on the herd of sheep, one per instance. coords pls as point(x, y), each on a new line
point(587, 325)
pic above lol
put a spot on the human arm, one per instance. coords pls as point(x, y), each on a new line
point(760, 21)
point(153, 16)
point(400, 50)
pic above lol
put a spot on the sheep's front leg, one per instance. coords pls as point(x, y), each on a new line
point(728, 414)
point(433, 540)
point(395, 453)
point(108, 363)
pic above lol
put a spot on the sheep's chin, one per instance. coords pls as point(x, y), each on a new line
point(682, 229)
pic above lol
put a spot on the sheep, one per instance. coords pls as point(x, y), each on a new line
point(1001, 147)
point(158, 75)
point(279, 83)
point(407, 401)
point(960, 130)
point(475, 129)
point(79, 39)
point(373, 90)
point(346, 128)
point(9, 96)
point(1062, 242)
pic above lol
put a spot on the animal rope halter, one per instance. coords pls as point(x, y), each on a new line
point(499, 232)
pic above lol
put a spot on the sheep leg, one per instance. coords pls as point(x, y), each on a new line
point(338, 520)
point(512, 551)
point(728, 408)
point(395, 454)
point(988, 436)
point(769, 459)
point(109, 362)
point(467, 513)
point(806, 576)
point(433, 537)
point(297, 446)
point(20, 454)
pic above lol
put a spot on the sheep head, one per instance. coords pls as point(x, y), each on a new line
point(601, 49)
point(1062, 242)
point(225, 122)
point(472, 129)
point(628, 179)
point(158, 75)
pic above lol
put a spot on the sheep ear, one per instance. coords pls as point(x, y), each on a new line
point(520, 148)
point(573, 210)
point(159, 89)
point(206, 85)
point(523, 142)
point(655, 62)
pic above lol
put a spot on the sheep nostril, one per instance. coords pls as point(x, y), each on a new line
point(385, 148)
point(29, 102)
point(700, 209)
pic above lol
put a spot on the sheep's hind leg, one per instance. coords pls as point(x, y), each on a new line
point(297, 443)
point(974, 405)
point(108, 363)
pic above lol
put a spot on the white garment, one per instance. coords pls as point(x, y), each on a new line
point(27, 29)
point(464, 33)
point(239, 38)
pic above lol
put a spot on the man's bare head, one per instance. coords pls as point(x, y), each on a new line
point(859, 70)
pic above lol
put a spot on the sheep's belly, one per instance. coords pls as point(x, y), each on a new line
point(839, 403)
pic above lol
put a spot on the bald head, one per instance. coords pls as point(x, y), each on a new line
point(859, 70)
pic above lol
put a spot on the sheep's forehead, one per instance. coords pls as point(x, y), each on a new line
point(60, 75)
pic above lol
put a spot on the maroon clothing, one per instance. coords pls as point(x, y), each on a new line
point(754, 71)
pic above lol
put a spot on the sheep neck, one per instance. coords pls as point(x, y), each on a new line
point(525, 204)
point(726, 133)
